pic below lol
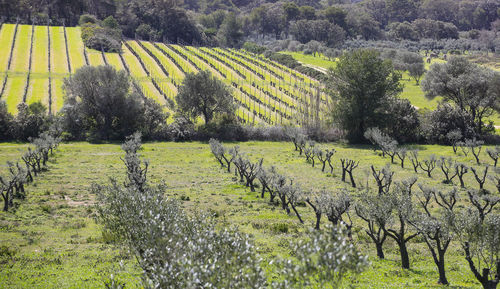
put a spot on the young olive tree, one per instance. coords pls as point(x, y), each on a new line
point(402, 209)
point(322, 260)
point(494, 154)
point(480, 178)
point(428, 165)
point(174, 249)
point(434, 224)
point(447, 167)
point(325, 156)
point(383, 178)
point(479, 235)
point(347, 167)
point(375, 210)
point(415, 162)
point(335, 206)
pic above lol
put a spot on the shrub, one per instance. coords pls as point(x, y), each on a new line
point(254, 47)
point(87, 19)
point(446, 118)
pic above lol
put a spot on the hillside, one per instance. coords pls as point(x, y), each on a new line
point(35, 60)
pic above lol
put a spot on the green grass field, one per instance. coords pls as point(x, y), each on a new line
point(57, 94)
point(95, 57)
point(319, 60)
point(40, 51)
point(55, 242)
point(6, 38)
point(21, 55)
point(14, 89)
point(59, 61)
point(114, 60)
point(75, 48)
point(38, 91)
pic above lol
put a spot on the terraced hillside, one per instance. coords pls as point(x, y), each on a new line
point(34, 60)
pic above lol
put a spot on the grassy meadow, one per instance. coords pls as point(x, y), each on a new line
point(51, 239)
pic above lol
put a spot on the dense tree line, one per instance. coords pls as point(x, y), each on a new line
point(228, 22)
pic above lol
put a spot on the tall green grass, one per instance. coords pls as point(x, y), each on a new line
point(95, 57)
point(57, 94)
point(114, 60)
point(134, 65)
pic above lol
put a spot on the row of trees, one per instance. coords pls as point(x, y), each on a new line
point(395, 211)
point(177, 250)
point(449, 167)
point(34, 161)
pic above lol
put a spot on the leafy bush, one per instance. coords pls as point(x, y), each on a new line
point(106, 38)
point(444, 119)
point(253, 47)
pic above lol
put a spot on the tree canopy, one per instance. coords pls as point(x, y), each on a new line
point(201, 94)
point(361, 86)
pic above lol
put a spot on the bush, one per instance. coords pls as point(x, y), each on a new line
point(403, 121)
point(102, 38)
point(446, 118)
point(254, 47)
point(87, 19)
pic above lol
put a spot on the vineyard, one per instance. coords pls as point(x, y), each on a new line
point(34, 60)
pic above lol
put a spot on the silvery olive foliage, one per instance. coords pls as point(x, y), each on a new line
point(480, 240)
point(173, 249)
point(321, 261)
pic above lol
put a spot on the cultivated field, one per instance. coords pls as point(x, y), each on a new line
point(51, 240)
point(31, 57)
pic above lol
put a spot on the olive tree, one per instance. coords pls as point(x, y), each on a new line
point(402, 209)
point(202, 94)
point(434, 224)
point(174, 249)
point(478, 230)
point(322, 260)
point(470, 87)
point(100, 104)
point(375, 210)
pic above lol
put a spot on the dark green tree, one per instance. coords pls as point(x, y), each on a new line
point(100, 105)
point(230, 33)
point(361, 85)
point(202, 94)
point(5, 121)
